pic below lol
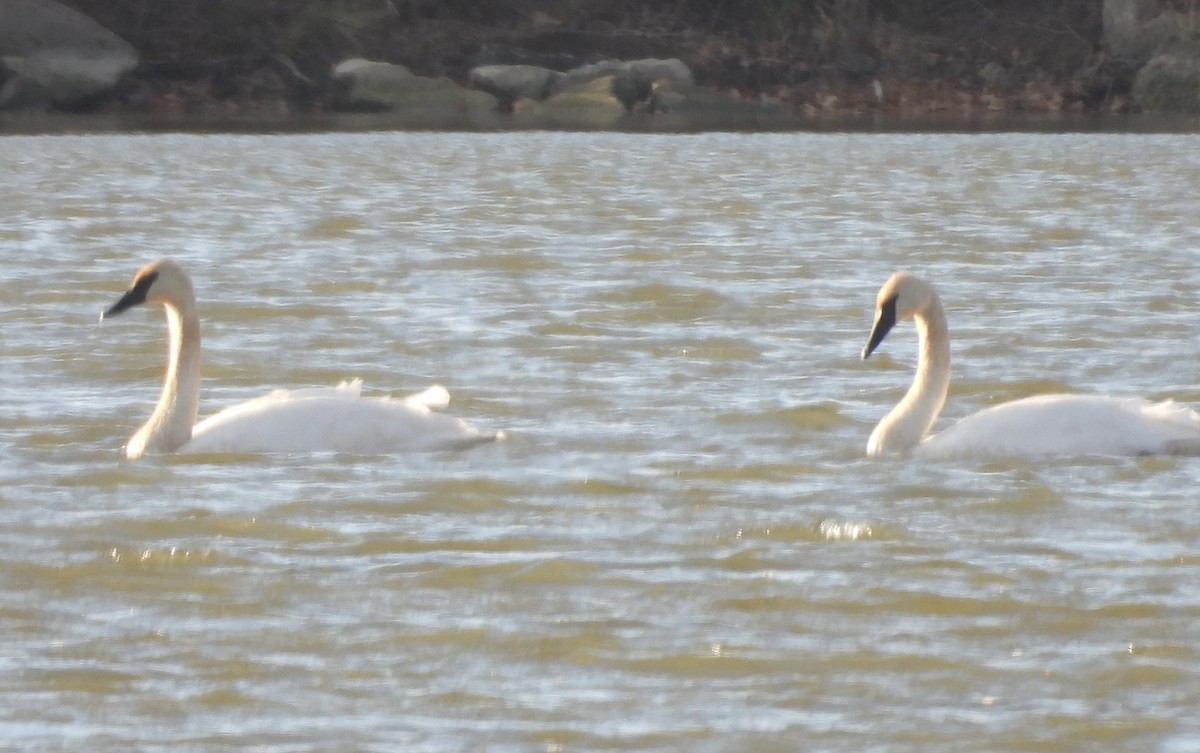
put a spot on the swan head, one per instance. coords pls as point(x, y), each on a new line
point(901, 298)
point(161, 282)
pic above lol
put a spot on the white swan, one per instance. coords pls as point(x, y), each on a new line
point(1040, 426)
point(333, 419)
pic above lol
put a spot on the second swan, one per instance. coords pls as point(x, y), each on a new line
point(1039, 426)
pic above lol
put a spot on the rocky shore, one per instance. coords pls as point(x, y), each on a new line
point(594, 65)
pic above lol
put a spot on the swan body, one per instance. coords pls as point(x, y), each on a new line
point(1066, 425)
point(333, 419)
point(1038, 426)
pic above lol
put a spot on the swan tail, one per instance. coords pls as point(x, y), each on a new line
point(1173, 412)
point(434, 398)
point(349, 387)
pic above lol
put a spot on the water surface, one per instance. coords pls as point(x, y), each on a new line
point(681, 546)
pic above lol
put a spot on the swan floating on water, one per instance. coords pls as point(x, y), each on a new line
point(1039, 426)
point(335, 419)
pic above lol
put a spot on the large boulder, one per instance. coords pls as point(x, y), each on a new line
point(57, 56)
point(647, 73)
point(1170, 82)
point(1130, 45)
point(589, 106)
point(1131, 37)
point(509, 83)
point(629, 82)
point(587, 73)
point(388, 87)
point(633, 80)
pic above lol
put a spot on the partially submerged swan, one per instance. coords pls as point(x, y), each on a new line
point(336, 419)
point(1039, 426)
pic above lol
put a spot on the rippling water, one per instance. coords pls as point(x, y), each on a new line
point(681, 546)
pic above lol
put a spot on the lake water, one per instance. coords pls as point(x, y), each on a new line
point(680, 546)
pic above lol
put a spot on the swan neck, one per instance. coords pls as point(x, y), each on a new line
point(933, 363)
point(908, 423)
point(170, 426)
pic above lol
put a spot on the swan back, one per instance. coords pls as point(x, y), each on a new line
point(1070, 425)
point(334, 419)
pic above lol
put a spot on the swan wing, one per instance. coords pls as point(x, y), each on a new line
point(334, 419)
point(433, 398)
point(1064, 425)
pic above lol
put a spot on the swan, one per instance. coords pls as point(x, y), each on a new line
point(336, 419)
point(1038, 426)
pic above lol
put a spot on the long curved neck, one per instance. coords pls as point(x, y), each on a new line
point(907, 423)
point(170, 426)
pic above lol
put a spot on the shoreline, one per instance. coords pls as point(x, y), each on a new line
point(112, 122)
point(303, 65)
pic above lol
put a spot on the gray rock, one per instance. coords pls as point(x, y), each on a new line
point(590, 106)
point(373, 85)
point(1170, 82)
point(1134, 44)
point(633, 80)
point(650, 71)
point(587, 73)
point(509, 83)
point(57, 55)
